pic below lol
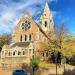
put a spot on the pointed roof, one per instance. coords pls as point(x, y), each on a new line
point(47, 12)
point(27, 15)
point(46, 9)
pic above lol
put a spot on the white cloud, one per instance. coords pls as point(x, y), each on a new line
point(8, 16)
point(10, 11)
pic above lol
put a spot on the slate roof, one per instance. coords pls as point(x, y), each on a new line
point(21, 44)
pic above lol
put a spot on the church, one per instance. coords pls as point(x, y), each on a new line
point(26, 38)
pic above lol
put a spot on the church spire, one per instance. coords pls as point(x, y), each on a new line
point(46, 19)
point(46, 9)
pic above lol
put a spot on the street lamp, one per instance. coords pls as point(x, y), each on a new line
point(33, 62)
point(55, 54)
point(64, 63)
point(33, 56)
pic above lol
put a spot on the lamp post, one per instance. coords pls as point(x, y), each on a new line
point(64, 63)
point(55, 54)
point(33, 59)
point(33, 62)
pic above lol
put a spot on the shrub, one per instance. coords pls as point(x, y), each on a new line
point(35, 63)
point(69, 72)
point(72, 60)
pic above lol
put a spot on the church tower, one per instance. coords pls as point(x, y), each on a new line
point(46, 20)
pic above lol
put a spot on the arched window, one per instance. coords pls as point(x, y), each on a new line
point(45, 14)
point(13, 53)
point(19, 52)
point(25, 37)
point(45, 23)
point(23, 52)
point(21, 38)
point(30, 37)
point(9, 53)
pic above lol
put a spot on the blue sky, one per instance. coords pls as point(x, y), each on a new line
point(12, 10)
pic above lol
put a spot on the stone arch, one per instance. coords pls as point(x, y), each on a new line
point(19, 53)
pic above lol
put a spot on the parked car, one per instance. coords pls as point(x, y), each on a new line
point(20, 72)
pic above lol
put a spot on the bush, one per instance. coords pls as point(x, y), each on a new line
point(26, 67)
point(69, 72)
point(35, 63)
point(72, 60)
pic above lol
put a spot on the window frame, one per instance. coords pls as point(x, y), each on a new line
point(30, 37)
point(21, 38)
point(46, 23)
point(25, 38)
point(26, 25)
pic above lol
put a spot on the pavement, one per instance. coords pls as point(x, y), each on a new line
point(5, 72)
point(45, 71)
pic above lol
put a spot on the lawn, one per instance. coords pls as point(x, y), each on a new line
point(46, 65)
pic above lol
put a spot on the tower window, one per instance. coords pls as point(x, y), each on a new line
point(41, 22)
point(21, 38)
point(50, 20)
point(30, 37)
point(25, 37)
point(45, 14)
point(45, 23)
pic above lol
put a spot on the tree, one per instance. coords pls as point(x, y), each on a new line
point(35, 64)
point(4, 39)
point(61, 42)
point(69, 47)
point(64, 42)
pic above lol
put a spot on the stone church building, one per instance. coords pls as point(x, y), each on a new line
point(26, 38)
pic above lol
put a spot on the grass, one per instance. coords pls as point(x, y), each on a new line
point(46, 65)
point(43, 64)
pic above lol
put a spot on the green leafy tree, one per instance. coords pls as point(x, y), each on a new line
point(35, 64)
